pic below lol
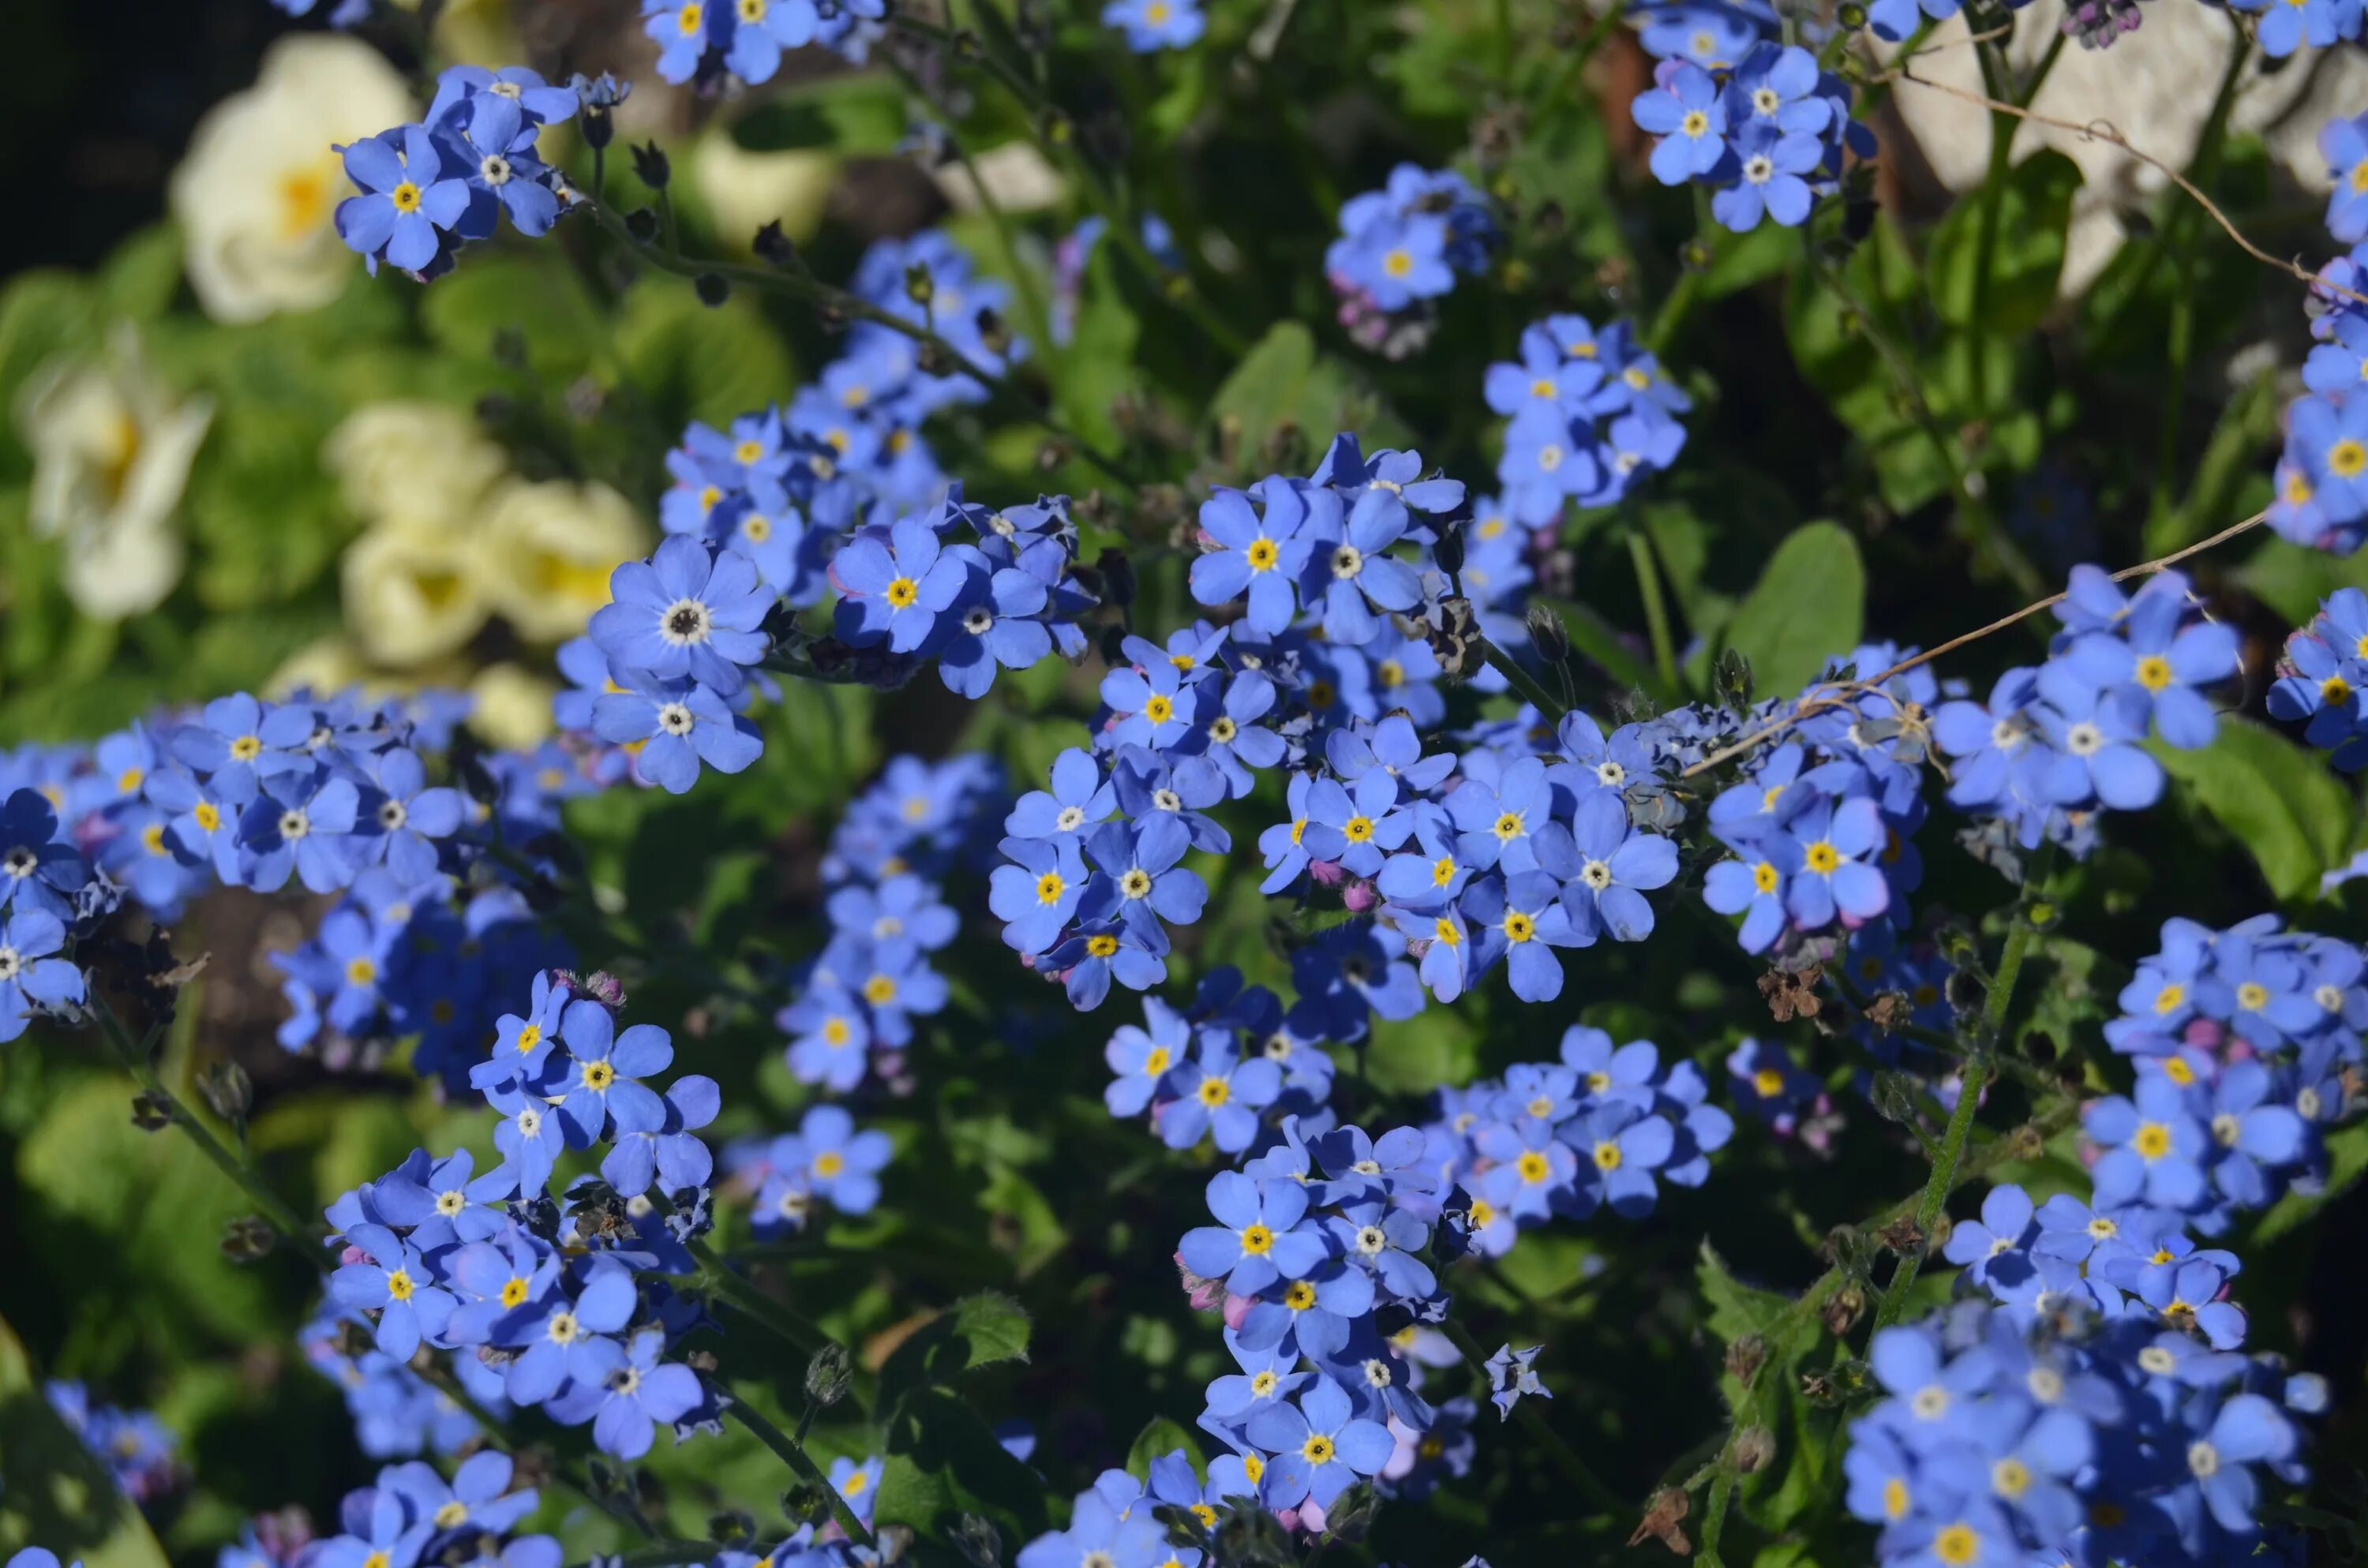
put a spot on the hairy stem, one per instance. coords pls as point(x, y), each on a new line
point(796, 1457)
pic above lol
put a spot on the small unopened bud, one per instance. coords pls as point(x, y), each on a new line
point(920, 286)
point(151, 1113)
point(827, 1375)
point(650, 166)
point(1449, 550)
point(1744, 1358)
point(729, 1525)
point(805, 1503)
point(711, 288)
point(642, 224)
point(978, 1540)
point(228, 1091)
point(247, 1238)
point(1548, 632)
point(1842, 1310)
point(993, 332)
point(773, 247)
point(1753, 1447)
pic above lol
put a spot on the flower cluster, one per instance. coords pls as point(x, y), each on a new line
point(1770, 133)
point(1400, 248)
point(2322, 473)
point(854, 1003)
point(412, 1514)
point(827, 1158)
point(1314, 1249)
point(1592, 416)
point(2243, 1039)
point(1117, 1519)
point(2054, 744)
point(1601, 1129)
point(2322, 680)
point(428, 188)
point(553, 1296)
point(2280, 29)
point(707, 40)
point(140, 1451)
point(2096, 1406)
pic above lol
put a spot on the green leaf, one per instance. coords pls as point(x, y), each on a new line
point(2033, 208)
point(538, 300)
point(53, 1491)
point(1099, 363)
point(977, 1331)
point(1282, 379)
point(1817, 565)
point(943, 1460)
point(143, 274)
point(695, 362)
point(1159, 1438)
point(860, 115)
point(2347, 1160)
point(2279, 800)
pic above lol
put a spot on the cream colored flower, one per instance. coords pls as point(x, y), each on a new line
point(548, 550)
point(111, 453)
point(513, 710)
point(257, 197)
point(410, 594)
point(333, 664)
point(421, 466)
point(746, 191)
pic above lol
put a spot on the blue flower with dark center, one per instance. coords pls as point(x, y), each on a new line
point(409, 194)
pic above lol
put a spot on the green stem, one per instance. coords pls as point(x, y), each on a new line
point(772, 1314)
point(810, 290)
point(1656, 613)
point(1522, 681)
point(1039, 320)
point(1533, 1420)
point(274, 1210)
point(1971, 1080)
point(1675, 309)
point(793, 1456)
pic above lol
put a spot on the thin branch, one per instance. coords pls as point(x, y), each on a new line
point(1842, 691)
point(2106, 131)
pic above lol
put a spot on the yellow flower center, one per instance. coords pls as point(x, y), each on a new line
point(1956, 1544)
point(880, 990)
point(514, 1291)
point(208, 817)
point(1159, 710)
point(362, 970)
point(1300, 1296)
point(1769, 1082)
point(1214, 1092)
point(1050, 887)
point(2345, 458)
point(1534, 1167)
point(399, 1285)
point(902, 591)
point(1257, 1241)
point(1262, 554)
point(1317, 1450)
point(406, 196)
point(2154, 672)
point(829, 1163)
point(1398, 263)
point(1821, 856)
point(2153, 1139)
point(1101, 946)
point(1519, 927)
point(1764, 877)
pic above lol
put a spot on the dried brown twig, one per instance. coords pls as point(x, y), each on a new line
point(1828, 696)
